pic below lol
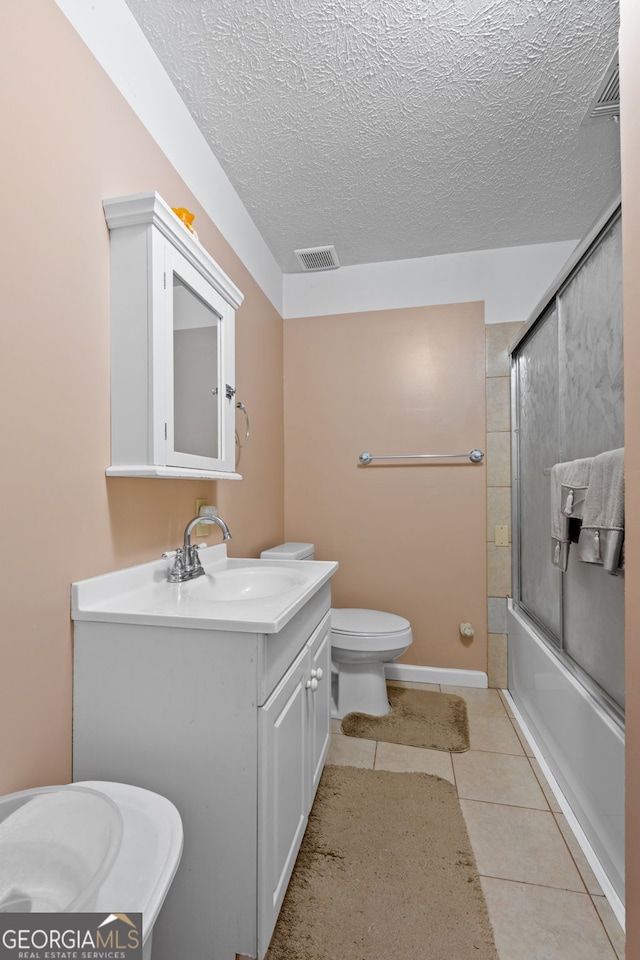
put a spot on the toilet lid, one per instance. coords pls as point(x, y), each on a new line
point(353, 620)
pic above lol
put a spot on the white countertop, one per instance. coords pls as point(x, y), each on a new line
point(142, 594)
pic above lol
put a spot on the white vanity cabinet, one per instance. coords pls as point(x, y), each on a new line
point(172, 347)
point(232, 725)
point(293, 738)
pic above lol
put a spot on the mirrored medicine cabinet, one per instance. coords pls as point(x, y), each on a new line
point(172, 347)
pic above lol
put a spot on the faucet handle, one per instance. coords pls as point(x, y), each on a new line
point(176, 574)
point(193, 557)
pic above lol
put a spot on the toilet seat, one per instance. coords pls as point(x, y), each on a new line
point(356, 620)
point(357, 629)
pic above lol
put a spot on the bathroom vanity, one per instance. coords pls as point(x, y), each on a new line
point(216, 694)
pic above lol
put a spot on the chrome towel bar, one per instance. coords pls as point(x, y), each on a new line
point(476, 456)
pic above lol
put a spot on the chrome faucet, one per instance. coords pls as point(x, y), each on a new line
point(187, 565)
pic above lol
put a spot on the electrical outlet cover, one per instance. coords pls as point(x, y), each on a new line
point(202, 529)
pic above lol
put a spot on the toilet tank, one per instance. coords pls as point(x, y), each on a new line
point(289, 551)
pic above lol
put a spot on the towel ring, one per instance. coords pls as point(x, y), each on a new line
point(247, 427)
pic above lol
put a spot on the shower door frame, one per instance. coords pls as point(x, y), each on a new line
point(576, 728)
point(550, 301)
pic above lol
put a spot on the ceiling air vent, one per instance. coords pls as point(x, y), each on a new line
point(318, 258)
point(606, 102)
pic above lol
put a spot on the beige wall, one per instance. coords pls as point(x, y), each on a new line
point(630, 126)
point(410, 538)
point(70, 141)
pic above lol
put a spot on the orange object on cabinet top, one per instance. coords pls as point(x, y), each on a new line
point(186, 216)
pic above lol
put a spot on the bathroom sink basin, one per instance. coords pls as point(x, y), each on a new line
point(57, 844)
point(247, 583)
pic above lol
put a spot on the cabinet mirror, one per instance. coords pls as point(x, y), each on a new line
point(195, 373)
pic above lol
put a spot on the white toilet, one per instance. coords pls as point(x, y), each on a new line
point(362, 641)
point(89, 847)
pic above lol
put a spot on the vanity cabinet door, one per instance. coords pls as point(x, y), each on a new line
point(319, 703)
point(293, 738)
point(282, 791)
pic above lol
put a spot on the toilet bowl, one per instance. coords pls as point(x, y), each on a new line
point(362, 641)
point(89, 847)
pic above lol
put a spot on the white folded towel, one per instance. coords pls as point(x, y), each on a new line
point(569, 483)
point(602, 534)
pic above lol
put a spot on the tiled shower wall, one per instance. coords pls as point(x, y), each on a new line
point(499, 337)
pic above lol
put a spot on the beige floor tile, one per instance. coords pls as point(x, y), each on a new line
point(611, 925)
point(516, 843)
point(526, 746)
point(497, 778)
point(495, 734)
point(590, 880)
point(479, 700)
point(542, 923)
point(352, 751)
point(546, 789)
point(402, 759)
point(506, 703)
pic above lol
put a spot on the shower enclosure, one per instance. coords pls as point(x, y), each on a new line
point(566, 629)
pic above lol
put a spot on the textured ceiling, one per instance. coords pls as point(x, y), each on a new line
point(399, 128)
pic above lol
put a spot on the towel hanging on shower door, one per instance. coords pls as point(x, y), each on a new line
point(569, 483)
point(602, 535)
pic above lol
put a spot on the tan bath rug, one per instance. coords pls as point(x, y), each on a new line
point(418, 718)
point(385, 872)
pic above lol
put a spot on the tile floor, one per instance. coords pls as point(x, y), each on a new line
point(544, 901)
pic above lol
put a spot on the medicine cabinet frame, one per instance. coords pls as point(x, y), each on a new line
point(156, 265)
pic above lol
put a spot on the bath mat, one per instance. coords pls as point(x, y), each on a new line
point(418, 718)
point(385, 872)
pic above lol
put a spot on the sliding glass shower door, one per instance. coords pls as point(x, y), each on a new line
point(567, 372)
point(538, 418)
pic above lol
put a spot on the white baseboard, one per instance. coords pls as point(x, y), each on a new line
point(450, 677)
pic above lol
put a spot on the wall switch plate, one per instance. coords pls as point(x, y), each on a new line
point(501, 538)
point(202, 529)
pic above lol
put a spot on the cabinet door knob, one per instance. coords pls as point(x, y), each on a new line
point(312, 684)
point(317, 672)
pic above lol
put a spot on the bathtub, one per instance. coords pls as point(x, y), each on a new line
point(581, 745)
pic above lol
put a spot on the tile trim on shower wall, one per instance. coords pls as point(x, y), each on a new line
point(498, 338)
